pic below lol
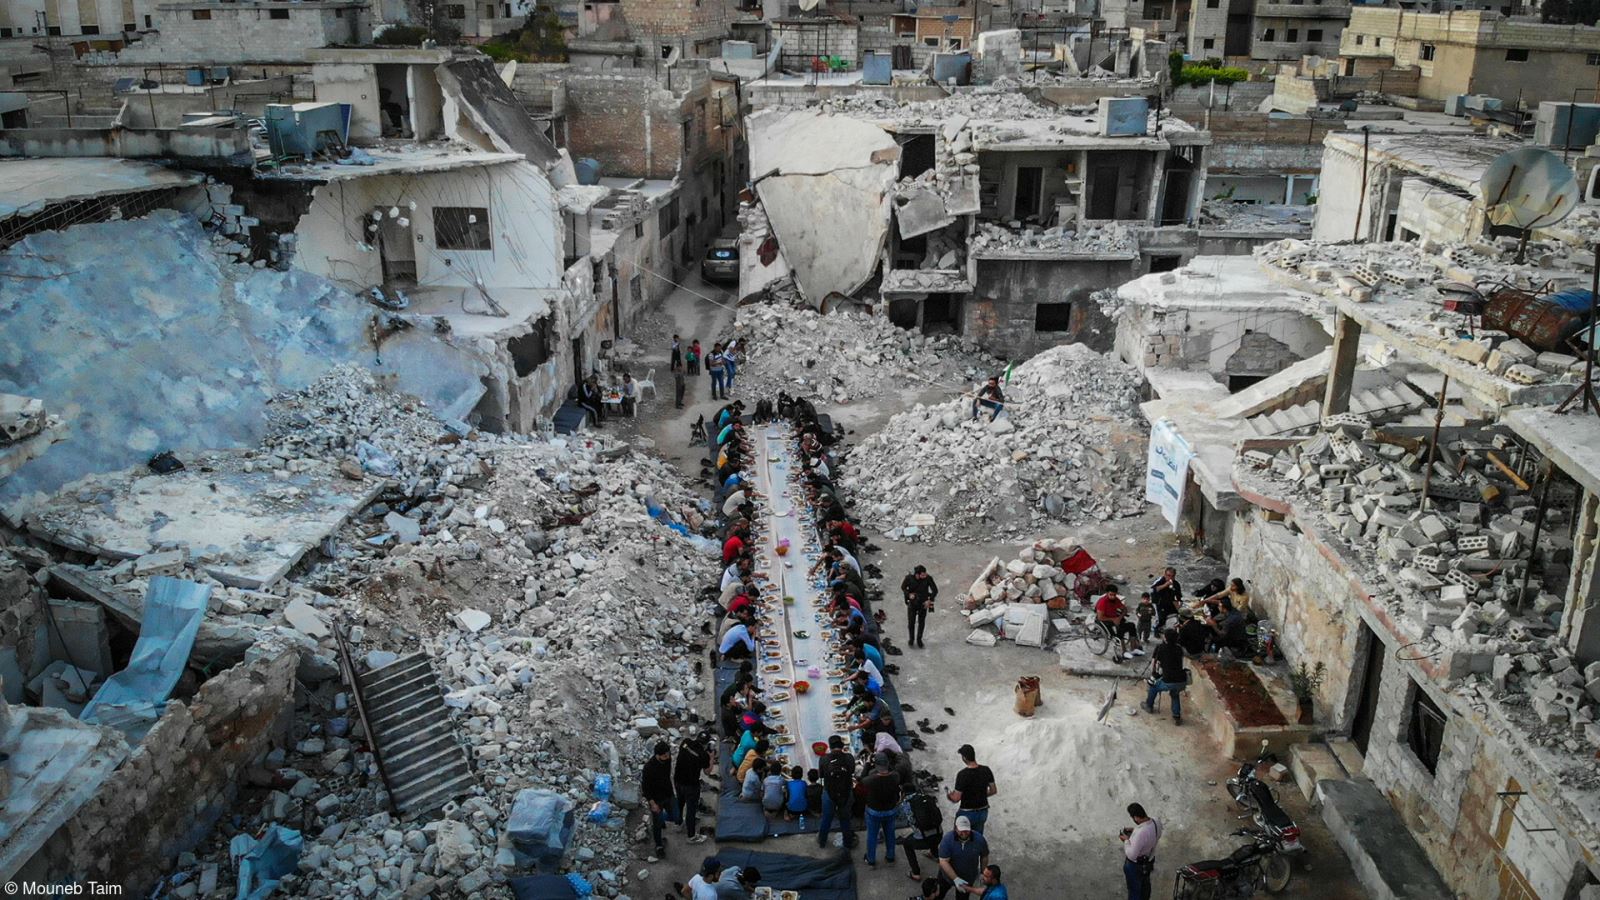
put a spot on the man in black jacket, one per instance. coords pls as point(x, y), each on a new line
point(1167, 595)
point(655, 786)
point(920, 592)
point(693, 758)
point(838, 769)
point(1169, 675)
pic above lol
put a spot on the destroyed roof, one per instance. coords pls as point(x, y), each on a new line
point(28, 185)
point(1570, 440)
point(475, 88)
point(580, 198)
point(395, 159)
point(1220, 282)
point(470, 316)
point(1458, 161)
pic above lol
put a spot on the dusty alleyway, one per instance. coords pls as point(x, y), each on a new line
point(1064, 779)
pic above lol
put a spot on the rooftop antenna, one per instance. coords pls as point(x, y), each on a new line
point(1527, 189)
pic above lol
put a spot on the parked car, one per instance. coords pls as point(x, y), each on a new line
point(722, 261)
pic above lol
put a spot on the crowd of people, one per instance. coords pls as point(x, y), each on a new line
point(685, 361)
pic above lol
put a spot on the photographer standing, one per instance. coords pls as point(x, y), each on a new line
point(694, 757)
point(1139, 852)
point(920, 592)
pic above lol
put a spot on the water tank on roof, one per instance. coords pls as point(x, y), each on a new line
point(1123, 116)
point(588, 170)
point(877, 67)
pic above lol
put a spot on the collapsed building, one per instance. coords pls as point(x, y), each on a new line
point(987, 214)
point(1389, 442)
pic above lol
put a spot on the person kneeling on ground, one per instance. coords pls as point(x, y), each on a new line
point(990, 397)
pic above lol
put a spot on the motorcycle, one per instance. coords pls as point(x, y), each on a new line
point(1241, 874)
point(1257, 796)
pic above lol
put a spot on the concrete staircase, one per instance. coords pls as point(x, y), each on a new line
point(1378, 404)
point(424, 765)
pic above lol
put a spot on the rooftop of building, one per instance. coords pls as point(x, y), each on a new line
point(396, 158)
point(1459, 162)
point(28, 185)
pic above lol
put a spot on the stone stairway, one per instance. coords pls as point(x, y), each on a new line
point(424, 765)
point(1378, 404)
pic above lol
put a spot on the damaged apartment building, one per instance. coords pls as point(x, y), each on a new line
point(1390, 441)
point(988, 214)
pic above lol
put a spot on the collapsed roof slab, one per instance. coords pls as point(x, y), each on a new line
point(825, 182)
point(56, 765)
point(29, 185)
point(1571, 440)
point(243, 523)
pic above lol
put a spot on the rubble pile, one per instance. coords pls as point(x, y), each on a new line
point(1103, 239)
point(1068, 446)
point(1013, 597)
point(844, 356)
point(548, 580)
point(1415, 281)
point(1241, 216)
point(1453, 569)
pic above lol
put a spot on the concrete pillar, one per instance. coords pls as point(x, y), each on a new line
point(1342, 370)
point(1288, 190)
point(1152, 212)
point(1580, 619)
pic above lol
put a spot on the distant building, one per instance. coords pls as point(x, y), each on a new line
point(1263, 30)
point(47, 18)
point(1477, 52)
point(226, 31)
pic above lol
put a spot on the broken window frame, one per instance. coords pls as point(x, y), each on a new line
point(1425, 743)
point(1048, 315)
point(453, 228)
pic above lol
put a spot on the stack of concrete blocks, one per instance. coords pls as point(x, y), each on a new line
point(1162, 349)
point(1456, 559)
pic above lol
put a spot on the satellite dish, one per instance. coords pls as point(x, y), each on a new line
point(1528, 188)
point(809, 4)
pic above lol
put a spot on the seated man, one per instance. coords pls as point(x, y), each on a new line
point(1112, 614)
point(1194, 635)
point(740, 641)
point(989, 397)
point(1230, 633)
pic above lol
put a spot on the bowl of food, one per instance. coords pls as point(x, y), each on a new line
point(788, 599)
point(820, 748)
point(802, 686)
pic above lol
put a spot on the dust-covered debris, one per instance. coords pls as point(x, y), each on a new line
point(1068, 446)
point(846, 356)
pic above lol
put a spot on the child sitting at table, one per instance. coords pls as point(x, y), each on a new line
point(773, 790)
point(751, 788)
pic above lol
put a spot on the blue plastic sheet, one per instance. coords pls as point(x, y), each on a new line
point(540, 826)
point(263, 862)
point(131, 700)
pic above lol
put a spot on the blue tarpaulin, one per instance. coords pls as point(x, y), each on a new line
point(131, 700)
point(263, 862)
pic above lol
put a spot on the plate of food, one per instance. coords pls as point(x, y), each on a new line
point(780, 682)
point(772, 667)
point(841, 702)
point(780, 695)
point(785, 740)
point(788, 895)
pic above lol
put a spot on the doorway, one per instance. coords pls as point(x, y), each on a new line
point(1030, 186)
point(1371, 681)
point(396, 252)
point(578, 372)
point(1103, 192)
point(941, 314)
point(1175, 203)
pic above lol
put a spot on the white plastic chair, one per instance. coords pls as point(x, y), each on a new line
point(648, 381)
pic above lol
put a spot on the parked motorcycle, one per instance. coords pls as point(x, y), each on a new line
point(1255, 795)
point(1241, 874)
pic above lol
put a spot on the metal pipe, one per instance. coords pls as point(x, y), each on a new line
point(1433, 445)
point(1538, 528)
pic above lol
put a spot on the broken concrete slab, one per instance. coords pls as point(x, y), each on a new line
point(57, 764)
point(242, 522)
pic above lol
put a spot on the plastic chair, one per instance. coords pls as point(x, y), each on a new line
point(648, 381)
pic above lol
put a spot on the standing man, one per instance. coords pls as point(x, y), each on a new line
point(1167, 595)
point(962, 855)
point(693, 758)
point(974, 786)
point(655, 786)
point(883, 808)
point(1169, 675)
point(1139, 852)
point(927, 829)
point(676, 359)
point(714, 368)
point(838, 787)
point(920, 592)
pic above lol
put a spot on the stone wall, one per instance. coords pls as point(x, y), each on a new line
point(675, 21)
point(21, 612)
point(1461, 812)
point(169, 793)
point(245, 32)
point(1001, 314)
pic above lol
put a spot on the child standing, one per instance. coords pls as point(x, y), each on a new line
point(1147, 613)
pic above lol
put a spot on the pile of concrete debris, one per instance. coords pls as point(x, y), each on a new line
point(1068, 446)
point(991, 102)
point(1014, 597)
point(1095, 240)
point(1446, 546)
point(844, 356)
point(548, 580)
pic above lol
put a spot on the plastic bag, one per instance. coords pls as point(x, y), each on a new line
point(599, 812)
point(540, 825)
point(602, 787)
point(376, 461)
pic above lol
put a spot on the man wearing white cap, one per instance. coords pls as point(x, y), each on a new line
point(962, 855)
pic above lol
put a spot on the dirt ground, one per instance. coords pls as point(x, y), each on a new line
point(1064, 779)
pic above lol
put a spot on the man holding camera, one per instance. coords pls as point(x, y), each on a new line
point(1139, 852)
